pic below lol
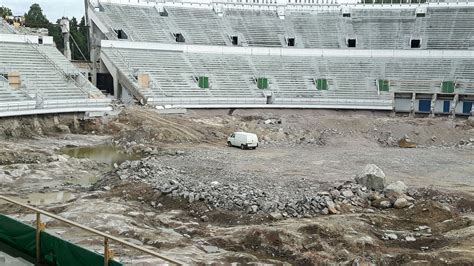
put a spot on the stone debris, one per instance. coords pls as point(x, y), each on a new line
point(385, 204)
point(397, 187)
point(400, 203)
point(209, 249)
point(371, 177)
point(410, 239)
point(389, 236)
point(251, 199)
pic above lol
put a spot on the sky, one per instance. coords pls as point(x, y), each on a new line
point(53, 9)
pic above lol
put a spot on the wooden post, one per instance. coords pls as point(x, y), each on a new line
point(106, 251)
point(39, 228)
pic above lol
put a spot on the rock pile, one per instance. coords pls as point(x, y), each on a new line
point(466, 143)
point(369, 190)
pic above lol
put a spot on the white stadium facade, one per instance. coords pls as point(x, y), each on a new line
point(403, 57)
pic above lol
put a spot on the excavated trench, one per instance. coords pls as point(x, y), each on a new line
point(81, 177)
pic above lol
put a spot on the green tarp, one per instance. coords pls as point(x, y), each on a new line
point(17, 235)
point(54, 250)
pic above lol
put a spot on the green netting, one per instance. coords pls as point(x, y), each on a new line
point(447, 87)
point(54, 250)
point(17, 235)
point(58, 252)
point(384, 85)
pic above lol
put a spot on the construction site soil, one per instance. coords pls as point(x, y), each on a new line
point(170, 183)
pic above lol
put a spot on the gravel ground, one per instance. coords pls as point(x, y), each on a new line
point(306, 167)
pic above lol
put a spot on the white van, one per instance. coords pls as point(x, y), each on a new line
point(243, 140)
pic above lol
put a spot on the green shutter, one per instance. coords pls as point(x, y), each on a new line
point(447, 87)
point(384, 85)
point(322, 84)
point(262, 83)
point(203, 82)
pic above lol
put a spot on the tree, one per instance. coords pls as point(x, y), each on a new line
point(35, 17)
point(79, 35)
point(5, 11)
point(55, 31)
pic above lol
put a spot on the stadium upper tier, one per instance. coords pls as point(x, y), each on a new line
point(363, 27)
point(38, 79)
point(299, 79)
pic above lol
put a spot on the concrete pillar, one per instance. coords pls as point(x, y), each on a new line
point(56, 120)
point(412, 105)
point(37, 125)
point(75, 122)
point(433, 104)
point(454, 103)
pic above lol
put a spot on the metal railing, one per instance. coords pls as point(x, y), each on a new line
point(107, 252)
point(58, 68)
point(341, 103)
point(8, 26)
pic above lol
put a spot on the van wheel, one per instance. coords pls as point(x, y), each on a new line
point(242, 147)
point(229, 144)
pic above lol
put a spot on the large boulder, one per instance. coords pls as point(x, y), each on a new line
point(371, 177)
point(400, 203)
point(397, 187)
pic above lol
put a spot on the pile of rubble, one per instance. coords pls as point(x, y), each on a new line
point(366, 192)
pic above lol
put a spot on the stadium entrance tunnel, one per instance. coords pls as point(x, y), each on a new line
point(105, 83)
point(351, 42)
point(415, 43)
point(290, 42)
point(179, 37)
point(121, 34)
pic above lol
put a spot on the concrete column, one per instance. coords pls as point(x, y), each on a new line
point(433, 104)
point(412, 105)
point(454, 103)
point(37, 125)
point(56, 120)
point(75, 122)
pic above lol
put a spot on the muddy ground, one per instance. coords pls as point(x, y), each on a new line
point(301, 152)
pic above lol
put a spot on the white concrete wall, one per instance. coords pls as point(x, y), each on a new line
point(309, 5)
point(290, 51)
point(439, 106)
point(18, 38)
point(402, 105)
point(459, 107)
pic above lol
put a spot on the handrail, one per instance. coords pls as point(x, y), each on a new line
point(90, 230)
point(58, 68)
point(8, 26)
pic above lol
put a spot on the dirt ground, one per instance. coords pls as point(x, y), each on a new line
point(301, 152)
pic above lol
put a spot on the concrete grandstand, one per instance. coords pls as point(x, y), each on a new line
point(288, 54)
point(35, 78)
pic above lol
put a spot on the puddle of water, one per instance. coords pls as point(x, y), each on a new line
point(84, 181)
point(45, 198)
point(104, 153)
